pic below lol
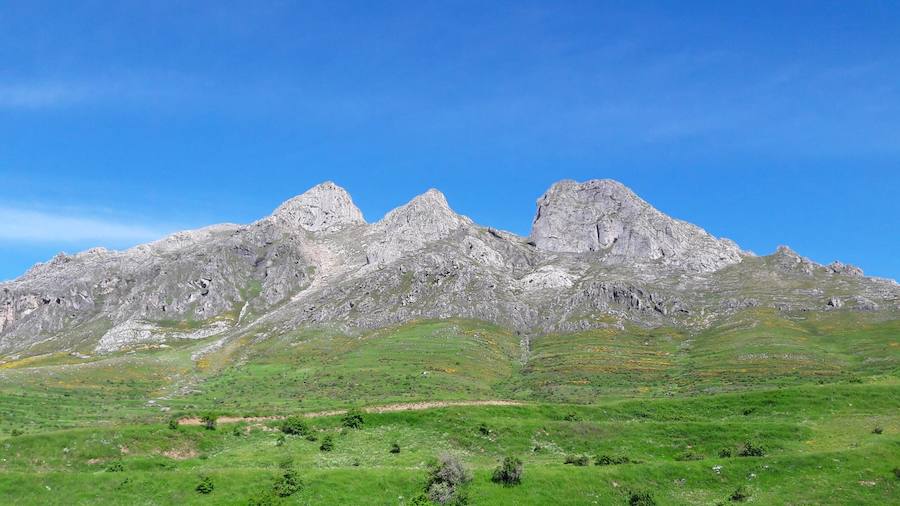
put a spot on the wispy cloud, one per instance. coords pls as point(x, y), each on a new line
point(39, 95)
point(25, 225)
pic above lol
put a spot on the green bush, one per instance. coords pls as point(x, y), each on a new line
point(353, 419)
point(740, 494)
point(16, 432)
point(173, 423)
point(327, 444)
point(206, 485)
point(312, 437)
point(606, 460)
point(751, 450)
point(578, 460)
point(509, 472)
point(484, 430)
point(287, 484)
point(640, 498)
point(688, 456)
point(209, 421)
point(571, 417)
point(279, 441)
point(395, 448)
point(877, 430)
point(115, 467)
point(295, 426)
point(725, 453)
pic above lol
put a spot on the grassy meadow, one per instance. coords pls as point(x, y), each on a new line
point(762, 408)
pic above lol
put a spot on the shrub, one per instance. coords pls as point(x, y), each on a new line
point(725, 453)
point(209, 421)
point(484, 430)
point(578, 460)
point(311, 437)
point(238, 430)
point(206, 485)
point(294, 426)
point(750, 450)
point(420, 500)
point(509, 472)
point(353, 419)
point(280, 440)
point(115, 467)
point(395, 448)
point(897, 473)
point(877, 430)
point(688, 456)
point(446, 478)
point(16, 432)
point(327, 444)
point(606, 460)
point(571, 417)
point(264, 498)
point(740, 494)
point(173, 423)
point(640, 498)
point(287, 484)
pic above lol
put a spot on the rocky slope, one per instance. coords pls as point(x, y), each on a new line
point(597, 256)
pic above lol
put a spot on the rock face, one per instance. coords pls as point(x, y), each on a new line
point(597, 256)
point(323, 208)
point(606, 218)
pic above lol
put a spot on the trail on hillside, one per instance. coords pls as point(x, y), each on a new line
point(387, 408)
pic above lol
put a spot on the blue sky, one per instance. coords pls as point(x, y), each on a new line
point(763, 122)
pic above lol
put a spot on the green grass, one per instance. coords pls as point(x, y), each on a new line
point(808, 388)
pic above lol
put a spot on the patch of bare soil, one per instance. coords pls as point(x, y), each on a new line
point(387, 408)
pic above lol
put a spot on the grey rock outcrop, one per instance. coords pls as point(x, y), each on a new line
point(323, 208)
point(606, 218)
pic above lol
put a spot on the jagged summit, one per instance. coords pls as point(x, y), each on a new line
point(426, 218)
point(605, 217)
point(325, 207)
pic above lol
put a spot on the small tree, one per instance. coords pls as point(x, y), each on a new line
point(509, 472)
point(209, 421)
point(327, 444)
point(353, 419)
point(294, 426)
point(206, 485)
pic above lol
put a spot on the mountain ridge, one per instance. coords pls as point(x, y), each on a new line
point(597, 255)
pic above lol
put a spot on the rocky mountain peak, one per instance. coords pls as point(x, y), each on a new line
point(323, 208)
point(605, 217)
point(429, 214)
point(427, 217)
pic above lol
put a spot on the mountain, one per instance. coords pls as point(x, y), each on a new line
point(597, 256)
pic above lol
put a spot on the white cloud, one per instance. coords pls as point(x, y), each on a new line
point(25, 225)
point(38, 95)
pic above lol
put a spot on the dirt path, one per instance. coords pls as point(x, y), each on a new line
point(387, 408)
